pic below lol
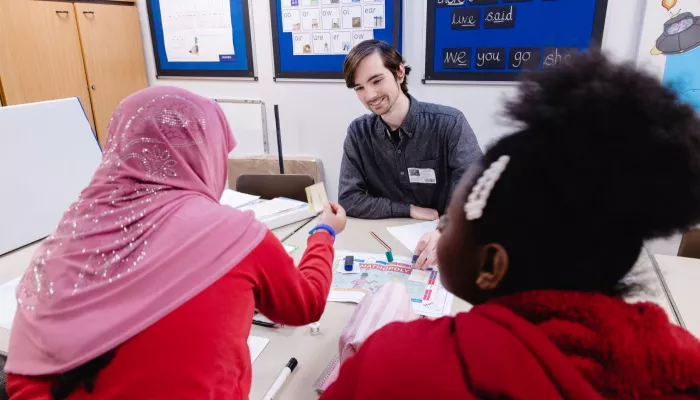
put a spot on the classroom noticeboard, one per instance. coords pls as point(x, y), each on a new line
point(495, 40)
point(312, 37)
point(203, 38)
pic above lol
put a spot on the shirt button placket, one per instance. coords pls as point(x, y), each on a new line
point(405, 184)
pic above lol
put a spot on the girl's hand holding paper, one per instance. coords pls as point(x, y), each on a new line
point(334, 216)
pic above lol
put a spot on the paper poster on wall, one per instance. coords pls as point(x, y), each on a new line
point(329, 27)
point(670, 46)
point(197, 31)
point(311, 38)
point(203, 38)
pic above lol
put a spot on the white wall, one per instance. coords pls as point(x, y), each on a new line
point(314, 116)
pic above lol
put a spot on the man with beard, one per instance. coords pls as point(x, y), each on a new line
point(405, 158)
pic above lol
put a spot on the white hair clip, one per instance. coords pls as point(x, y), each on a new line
point(474, 207)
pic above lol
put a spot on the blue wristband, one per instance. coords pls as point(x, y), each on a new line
point(325, 227)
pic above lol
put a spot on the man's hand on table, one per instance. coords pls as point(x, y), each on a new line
point(425, 214)
point(426, 250)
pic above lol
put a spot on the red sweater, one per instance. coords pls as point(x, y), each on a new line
point(199, 351)
point(540, 345)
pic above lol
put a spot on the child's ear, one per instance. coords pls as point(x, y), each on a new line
point(494, 266)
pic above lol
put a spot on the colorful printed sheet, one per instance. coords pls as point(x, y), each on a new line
point(372, 271)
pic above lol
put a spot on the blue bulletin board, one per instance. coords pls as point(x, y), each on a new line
point(495, 40)
point(201, 38)
point(311, 37)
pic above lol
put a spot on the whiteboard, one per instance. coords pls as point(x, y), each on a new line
point(48, 154)
point(248, 122)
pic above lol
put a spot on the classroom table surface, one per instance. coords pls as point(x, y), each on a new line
point(681, 276)
point(650, 288)
point(314, 352)
point(12, 265)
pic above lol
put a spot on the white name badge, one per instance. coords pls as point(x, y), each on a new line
point(421, 175)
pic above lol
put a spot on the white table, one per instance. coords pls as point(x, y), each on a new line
point(314, 352)
point(646, 274)
point(681, 277)
point(12, 265)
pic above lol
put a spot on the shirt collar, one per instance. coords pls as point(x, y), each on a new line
point(408, 126)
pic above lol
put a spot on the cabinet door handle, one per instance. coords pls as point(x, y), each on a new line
point(93, 87)
point(89, 12)
point(61, 12)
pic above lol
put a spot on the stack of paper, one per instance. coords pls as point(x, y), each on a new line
point(267, 209)
point(236, 199)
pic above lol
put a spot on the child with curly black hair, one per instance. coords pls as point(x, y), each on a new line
point(540, 238)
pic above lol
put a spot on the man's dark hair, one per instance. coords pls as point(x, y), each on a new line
point(604, 158)
point(391, 58)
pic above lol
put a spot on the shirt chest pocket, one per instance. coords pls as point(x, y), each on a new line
point(422, 173)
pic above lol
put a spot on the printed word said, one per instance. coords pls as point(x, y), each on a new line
point(499, 17)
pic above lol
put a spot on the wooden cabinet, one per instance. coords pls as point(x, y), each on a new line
point(114, 63)
point(40, 56)
point(51, 50)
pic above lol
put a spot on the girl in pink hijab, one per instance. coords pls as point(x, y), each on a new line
point(147, 288)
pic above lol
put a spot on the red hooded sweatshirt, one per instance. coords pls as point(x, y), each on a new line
point(537, 345)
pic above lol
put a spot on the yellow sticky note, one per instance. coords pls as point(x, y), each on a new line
point(316, 196)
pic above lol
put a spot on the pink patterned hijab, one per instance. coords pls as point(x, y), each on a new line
point(145, 236)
